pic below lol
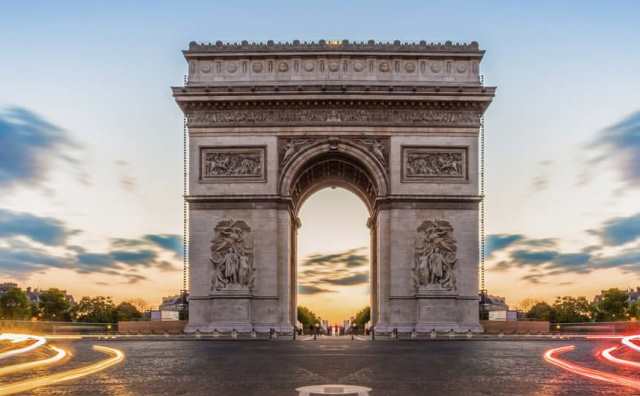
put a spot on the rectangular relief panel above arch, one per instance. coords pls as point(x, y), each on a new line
point(444, 164)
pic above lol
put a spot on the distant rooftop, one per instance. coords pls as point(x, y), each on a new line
point(333, 45)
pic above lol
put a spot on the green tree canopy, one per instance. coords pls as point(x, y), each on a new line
point(54, 305)
point(96, 310)
point(127, 311)
point(571, 309)
point(611, 306)
point(15, 305)
point(307, 317)
point(362, 317)
point(542, 311)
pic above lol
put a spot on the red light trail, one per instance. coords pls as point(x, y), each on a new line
point(551, 357)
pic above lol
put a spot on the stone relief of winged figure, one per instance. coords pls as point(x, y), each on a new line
point(435, 256)
point(232, 256)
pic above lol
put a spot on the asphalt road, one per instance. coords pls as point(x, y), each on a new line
point(466, 367)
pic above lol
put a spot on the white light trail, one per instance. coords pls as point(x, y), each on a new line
point(60, 354)
point(16, 338)
point(23, 386)
point(628, 342)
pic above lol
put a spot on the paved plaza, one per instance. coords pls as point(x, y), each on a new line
point(424, 367)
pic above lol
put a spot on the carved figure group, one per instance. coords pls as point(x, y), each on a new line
point(232, 164)
point(435, 255)
point(231, 256)
point(428, 164)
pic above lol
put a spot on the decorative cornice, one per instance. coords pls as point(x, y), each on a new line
point(332, 46)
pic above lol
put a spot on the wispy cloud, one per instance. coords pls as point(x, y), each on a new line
point(619, 230)
point(29, 145)
point(45, 230)
point(321, 271)
point(20, 256)
point(543, 258)
point(619, 145)
point(310, 289)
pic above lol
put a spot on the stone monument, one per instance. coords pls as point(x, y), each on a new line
point(271, 123)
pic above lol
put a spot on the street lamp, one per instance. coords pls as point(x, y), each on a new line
point(315, 334)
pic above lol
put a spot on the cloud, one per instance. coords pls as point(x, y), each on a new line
point(127, 181)
point(20, 262)
point(619, 145)
point(45, 230)
point(311, 289)
point(497, 242)
point(20, 257)
point(351, 280)
point(28, 146)
point(334, 269)
point(619, 230)
point(171, 242)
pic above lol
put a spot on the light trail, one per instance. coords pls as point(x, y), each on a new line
point(60, 354)
point(628, 342)
point(587, 372)
point(607, 355)
point(117, 356)
point(16, 338)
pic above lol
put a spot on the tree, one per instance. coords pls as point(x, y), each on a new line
point(96, 310)
point(611, 305)
point(54, 305)
point(362, 317)
point(15, 305)
point(528, 303)
point(127, 311)
point(140, 304)
point(307, 317)
point(542, 311)
point(571, 309)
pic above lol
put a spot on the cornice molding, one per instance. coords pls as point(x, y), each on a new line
point(332, 46)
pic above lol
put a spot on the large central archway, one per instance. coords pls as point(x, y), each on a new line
point(270, 123)
point(335, 162)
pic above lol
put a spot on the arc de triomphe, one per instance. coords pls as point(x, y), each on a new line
point(395, 123)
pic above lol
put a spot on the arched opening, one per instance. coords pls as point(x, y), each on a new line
point(334, 268)
point(329, 178)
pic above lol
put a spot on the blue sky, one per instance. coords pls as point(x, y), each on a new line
point(103, 158)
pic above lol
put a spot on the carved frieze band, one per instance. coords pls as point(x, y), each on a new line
point(233, 164)
point(334, 116)
point(434, 164)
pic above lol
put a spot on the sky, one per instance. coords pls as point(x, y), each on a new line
point(91, 157)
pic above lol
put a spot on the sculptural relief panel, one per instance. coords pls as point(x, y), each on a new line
point(441, 164)
point(229, 164)
point(435, 257)
point(232, 257)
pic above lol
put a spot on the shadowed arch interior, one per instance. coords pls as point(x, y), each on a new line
point(331, 170)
